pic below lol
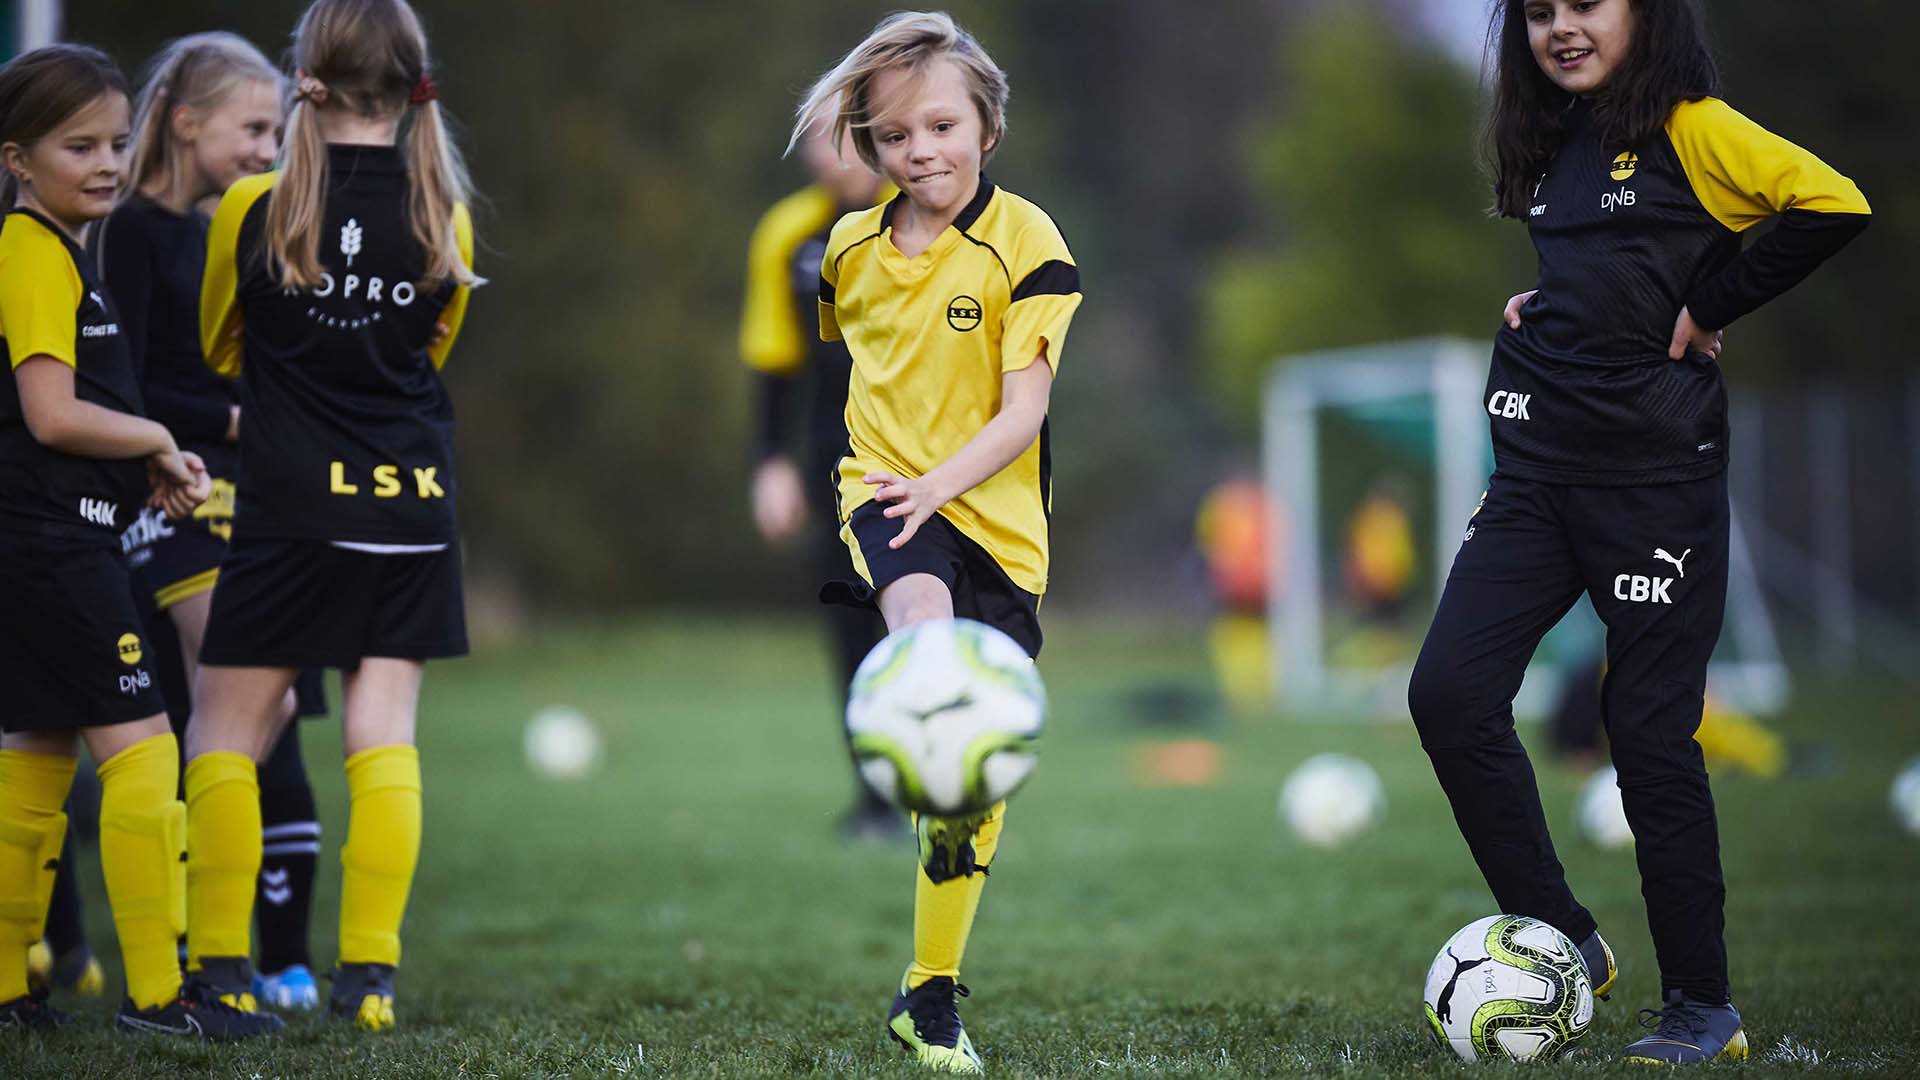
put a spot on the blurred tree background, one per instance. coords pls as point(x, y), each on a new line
point(1238, 180)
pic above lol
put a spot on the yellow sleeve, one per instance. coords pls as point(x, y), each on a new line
point(771, 336)
point(1046, 293)
point(829, 283)
point(1744, 174)
point(39, 294)
point(456, 309)
point(220, 342)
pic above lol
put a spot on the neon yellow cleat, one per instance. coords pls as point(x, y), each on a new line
point(364, 993)
point(926, 1022)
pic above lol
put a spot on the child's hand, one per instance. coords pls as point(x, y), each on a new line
point(916, 500)
point(1687, 334)
point(179, 481)
point(1514, 304)
point(779, 501)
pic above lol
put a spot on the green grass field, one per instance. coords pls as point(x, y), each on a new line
point(688, 912)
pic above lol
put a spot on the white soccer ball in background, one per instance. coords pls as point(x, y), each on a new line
point(1906, 797)
point(945, 717)
point(562, 743)
point(1601, 813)
point(1331, 798)
point(1507, 986)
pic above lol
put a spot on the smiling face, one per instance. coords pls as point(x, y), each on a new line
point(237, 137)
point(929, 135)
point(73, 173)
point(1579, 44)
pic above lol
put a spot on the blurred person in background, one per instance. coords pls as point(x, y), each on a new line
point(1231, 532)
point(209, 114)
point(1609, 422)
point(800, 382)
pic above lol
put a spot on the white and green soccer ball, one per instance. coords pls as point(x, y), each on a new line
point(945, 717)
point(1507, 986)
point(1906, 797)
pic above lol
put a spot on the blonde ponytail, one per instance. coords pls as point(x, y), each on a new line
point(297, 207)
point(436, 182)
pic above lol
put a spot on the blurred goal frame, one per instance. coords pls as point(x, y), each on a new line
point(1452, 372)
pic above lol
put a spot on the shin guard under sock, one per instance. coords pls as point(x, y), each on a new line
point(382, 850)
point(143, 850)
point(943, 914)
point(33, 787)
point(223, 855)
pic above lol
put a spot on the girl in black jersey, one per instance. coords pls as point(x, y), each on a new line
point(334, 289)
point(77, 459)
point(1610, 446)
point(209, 114)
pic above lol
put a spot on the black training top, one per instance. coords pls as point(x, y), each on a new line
point(347, 430)
point(152, 261)
point(52, 305)
point(1584, 392)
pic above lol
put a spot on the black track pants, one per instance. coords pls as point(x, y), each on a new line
point(1654, 561)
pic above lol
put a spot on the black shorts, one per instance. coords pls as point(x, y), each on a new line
point(306, 603)
point(981, 589)
point(72, 654)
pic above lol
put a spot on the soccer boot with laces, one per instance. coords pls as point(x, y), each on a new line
point(78, 971)
point(292, 988)
point(1688, 1033)
point(363, 993)
point(201, 1011)
point(926, 1021)
point(1602, 972)
point(30, 1012)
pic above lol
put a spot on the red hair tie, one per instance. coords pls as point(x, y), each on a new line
point(425, 90)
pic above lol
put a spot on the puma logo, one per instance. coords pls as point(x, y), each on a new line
point(1678, 564)
point(1444, 1007)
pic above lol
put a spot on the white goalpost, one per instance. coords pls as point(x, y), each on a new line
point(1432, 390)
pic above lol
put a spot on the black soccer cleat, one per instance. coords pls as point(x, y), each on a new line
point(200, 1012)
point(30, 1012)
point(363, 993)
point(926, 1021)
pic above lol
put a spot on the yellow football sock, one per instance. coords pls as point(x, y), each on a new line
point(223, 855)
point(943, 913)
point(33, 787)
point(143, 851)
point(383, 847)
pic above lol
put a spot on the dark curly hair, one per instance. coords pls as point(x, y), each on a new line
point(1668, 62)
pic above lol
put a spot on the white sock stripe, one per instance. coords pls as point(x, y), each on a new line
point(294, 828)
point(310, 848)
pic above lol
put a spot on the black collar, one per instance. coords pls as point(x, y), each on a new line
point(969, 213)
point(343, 158)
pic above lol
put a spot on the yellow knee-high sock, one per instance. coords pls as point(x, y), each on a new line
point(383, 847)
point(943, 913)
point(143, 851)
point(223, 855)
point(33, 787)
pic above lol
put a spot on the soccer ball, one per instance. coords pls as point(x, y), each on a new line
point(1331, 798)
point(945, 717)
point(1906, 797)
point(1507, 986)
point(562, 743)
point(1602, 816)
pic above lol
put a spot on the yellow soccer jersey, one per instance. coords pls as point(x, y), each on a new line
point(931, 337)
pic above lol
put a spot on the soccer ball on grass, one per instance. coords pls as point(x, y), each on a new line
point(1507, 986)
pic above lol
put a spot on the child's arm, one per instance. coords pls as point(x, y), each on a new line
point(1024, 395)
point(1744, 174)
point(59, 420)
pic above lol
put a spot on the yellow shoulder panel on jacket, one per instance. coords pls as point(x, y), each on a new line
point(1743, 174)
point(456, 310)
point(771, 336)
point(219, 303)
point(39, 293)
